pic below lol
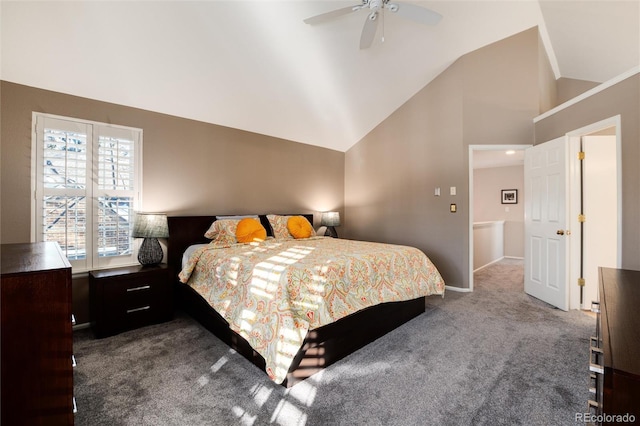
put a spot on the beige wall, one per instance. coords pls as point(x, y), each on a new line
point(489, 96)
point(189, 167)
point(621, 99)
point(487, 203)
point(547, 84)
point(569, 88)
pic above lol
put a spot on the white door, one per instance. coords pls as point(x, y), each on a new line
point(546, 249)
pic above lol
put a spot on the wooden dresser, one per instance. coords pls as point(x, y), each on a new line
point(615, 350)
point(36, 339)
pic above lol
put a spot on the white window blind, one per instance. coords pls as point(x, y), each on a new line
point(87, 185)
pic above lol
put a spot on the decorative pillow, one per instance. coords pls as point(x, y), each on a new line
point(250, 230)
point(299, 227)
point(223, 230)
point(279, 226)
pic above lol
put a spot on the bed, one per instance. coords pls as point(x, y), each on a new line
point(309, 343)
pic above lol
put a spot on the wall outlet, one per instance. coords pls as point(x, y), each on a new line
point(453, 208)
point(452, 190)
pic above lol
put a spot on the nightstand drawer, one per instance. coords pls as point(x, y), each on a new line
point(127, 298)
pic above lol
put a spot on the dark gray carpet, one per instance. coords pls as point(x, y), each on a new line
point(492, 357)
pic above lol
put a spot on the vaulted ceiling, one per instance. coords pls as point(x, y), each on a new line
point(256, 66)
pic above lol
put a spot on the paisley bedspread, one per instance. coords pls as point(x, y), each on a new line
point(274, 291)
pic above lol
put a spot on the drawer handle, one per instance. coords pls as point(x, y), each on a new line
point(75, 407)
point(143, 287)
point(73, 361)
point(596, 368)
point(594, 354)
point(144, 308)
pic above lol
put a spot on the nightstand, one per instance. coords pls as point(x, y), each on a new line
point(129, 297)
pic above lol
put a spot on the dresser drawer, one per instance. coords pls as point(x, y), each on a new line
point(615, 349)
point(127, 298)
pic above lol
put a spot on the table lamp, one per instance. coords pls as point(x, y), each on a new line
point(150, 226)
point(330, 220)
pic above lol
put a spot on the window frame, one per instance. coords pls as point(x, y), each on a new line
point(92, 191)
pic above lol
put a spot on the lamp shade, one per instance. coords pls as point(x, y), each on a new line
point(150, 225)
point(330, 219)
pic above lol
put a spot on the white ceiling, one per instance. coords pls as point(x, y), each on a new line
point(256, 66)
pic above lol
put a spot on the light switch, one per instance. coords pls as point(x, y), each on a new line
point(452, 190)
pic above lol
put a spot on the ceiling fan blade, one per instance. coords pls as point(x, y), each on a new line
point(416, 13)
point(330, 15)
point(369, 30)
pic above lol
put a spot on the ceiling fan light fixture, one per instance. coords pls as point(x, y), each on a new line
point(405, 10)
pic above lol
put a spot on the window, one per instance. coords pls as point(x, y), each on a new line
point(86, 179)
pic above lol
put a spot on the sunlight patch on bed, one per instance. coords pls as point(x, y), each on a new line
point(309, 306)
point(283, 258)
point(292, 255)
point(232, 273)
point(265, 279)
point(301, 251)
point(286, 349)
point(246, 323)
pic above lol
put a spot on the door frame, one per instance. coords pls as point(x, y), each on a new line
point(574, 200)
point(574, 193)
point(473, 148)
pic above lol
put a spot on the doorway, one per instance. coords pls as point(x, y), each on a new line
point(495, 228)
point(573, 214)
point(597, 241)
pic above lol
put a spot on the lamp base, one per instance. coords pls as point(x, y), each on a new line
point(150, 252)
point(331, 232)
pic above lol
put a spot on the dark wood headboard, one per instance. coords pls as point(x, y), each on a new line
point(188, 230)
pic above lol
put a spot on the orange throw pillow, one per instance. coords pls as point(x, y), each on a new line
point(299, 227)
point(250, 230)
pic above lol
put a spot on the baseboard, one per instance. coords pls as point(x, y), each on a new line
point(81, 326)
point(498, 260)
point(489, 264)
point(458, 289)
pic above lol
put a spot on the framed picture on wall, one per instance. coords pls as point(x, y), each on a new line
point(509, 196)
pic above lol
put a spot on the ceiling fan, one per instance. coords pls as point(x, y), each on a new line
point(406, 10)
